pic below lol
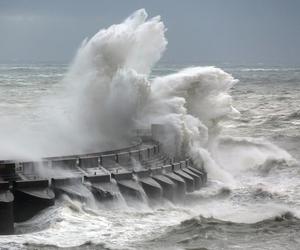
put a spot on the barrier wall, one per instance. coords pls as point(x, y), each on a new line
point(169, 181)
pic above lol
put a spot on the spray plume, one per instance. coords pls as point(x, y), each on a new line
point(108, 93)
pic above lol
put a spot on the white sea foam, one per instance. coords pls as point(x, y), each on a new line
point(108, 92)
point(111, 94)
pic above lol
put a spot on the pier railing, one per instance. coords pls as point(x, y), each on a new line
point(13, 170)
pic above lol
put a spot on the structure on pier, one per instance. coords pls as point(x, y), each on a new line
point(142, 168)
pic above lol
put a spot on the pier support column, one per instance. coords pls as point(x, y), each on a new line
point(6, 209)
point(31, 197)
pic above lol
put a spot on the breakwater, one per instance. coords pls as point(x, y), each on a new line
point(26, 188)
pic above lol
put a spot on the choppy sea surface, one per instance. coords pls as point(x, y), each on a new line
point(261, 211)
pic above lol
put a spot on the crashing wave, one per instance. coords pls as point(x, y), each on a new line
point(109, 92)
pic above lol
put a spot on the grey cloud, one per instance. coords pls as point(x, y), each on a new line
point(199, 31)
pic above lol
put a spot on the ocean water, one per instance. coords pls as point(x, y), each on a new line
point(261, 212)
point(246, 134)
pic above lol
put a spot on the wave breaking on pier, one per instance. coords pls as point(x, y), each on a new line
point(109, 92)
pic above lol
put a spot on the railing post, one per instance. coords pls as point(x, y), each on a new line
point(148, 152)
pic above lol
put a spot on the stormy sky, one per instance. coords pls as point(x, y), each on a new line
point(198, 31)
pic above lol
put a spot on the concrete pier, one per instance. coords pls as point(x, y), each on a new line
point(180, 182)
point(101, 186)
point(101, 176)
point(70, 186)
point(123, 158)
point(127, 185)
point(144, 154)
point(201, 173)
point(196, 177)
point(108, 160)
point(168, 186)
point(31, 196)
point(151, 187)
point(65, 162)
point(89, 161)
point(6, 209)
point(8, 171)
point(190, 185)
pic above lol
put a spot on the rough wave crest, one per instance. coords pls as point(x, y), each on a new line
point(108, 93)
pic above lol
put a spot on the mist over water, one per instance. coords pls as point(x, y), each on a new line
point(112, 88)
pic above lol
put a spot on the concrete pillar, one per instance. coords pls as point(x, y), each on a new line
point(108, 160)
point(127, 185)
point(151, 187)
point(180, 182)
point(72, 187)
point(31, 196)
point(190, 185)
point(6, 209)
point(89, 162)
point(168, 186)
point(101, 186)
point(196, 177)
point(124, 158)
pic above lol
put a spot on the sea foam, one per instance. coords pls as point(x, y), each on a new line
point(108, 93)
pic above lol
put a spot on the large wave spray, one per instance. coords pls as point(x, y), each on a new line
point(108, 93)
point(112, 93)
